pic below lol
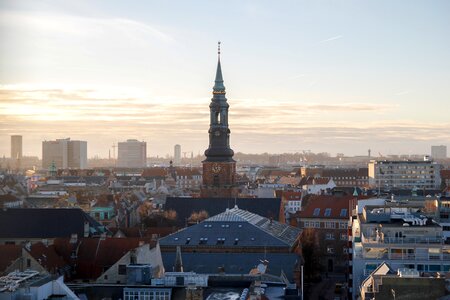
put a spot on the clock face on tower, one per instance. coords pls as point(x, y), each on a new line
point(216, 168)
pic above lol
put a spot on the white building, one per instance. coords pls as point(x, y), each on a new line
point(404, 174)
point(439, 152)
point(65, 154)
point(398, 234)
point(132, 154)
point(177, 154)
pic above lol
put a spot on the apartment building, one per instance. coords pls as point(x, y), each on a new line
point(405, 174)
point(132, 154)
point(64, 154)
point(399, 234)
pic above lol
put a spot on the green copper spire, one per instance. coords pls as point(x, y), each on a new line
point(218, 86)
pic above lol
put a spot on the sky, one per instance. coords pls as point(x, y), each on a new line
point(326, 76)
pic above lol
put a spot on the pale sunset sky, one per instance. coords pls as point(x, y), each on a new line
point(328, 76)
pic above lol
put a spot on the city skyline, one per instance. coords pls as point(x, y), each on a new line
point(371, 76)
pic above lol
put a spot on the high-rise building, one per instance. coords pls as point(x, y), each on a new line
point(64, 154)
point(177, 154)
point(132, 154)
point(77, 155)
point(16, 151)
point(439, 152)
point(16, 147)
point(219, 167)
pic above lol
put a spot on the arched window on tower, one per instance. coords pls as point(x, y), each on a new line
point(216, 180)
point(217, 114)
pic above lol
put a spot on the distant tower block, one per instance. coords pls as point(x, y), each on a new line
point(368, 153)
point(177, 154)
point(16, 149)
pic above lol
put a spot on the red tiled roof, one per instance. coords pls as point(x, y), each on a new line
point(289, 180)
point(188, 172)
point(9, 253)
point(95, 255)
point(291, 195)
point(312, 180)
point(445, 174)
point(322, 202)
point(47, 257)
point(154, 172)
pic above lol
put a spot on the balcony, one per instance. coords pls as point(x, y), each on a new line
point(403, 240)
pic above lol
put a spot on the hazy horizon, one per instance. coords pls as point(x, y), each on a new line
point(325, 76)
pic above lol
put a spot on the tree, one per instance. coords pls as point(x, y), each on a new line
point(310, 245)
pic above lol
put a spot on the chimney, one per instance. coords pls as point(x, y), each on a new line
point(86, 229)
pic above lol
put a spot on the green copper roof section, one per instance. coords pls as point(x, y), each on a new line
point(218, 86)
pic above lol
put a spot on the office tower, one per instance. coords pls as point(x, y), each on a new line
point(16, 147)
point(439, 152)
point(64, 154)
point(177, 154)
point(132, 154)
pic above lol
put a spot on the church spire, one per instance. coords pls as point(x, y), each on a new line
point(218, 86)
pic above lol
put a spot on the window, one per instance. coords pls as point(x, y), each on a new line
point(329, 225)
point(330, 250)
point(343, 225)
point(316, 212)
point(343, 212)
point(327, 212)
point(344, 237)
point(306, 224)
point(316, 224)
point(329, 236)
point(122, 270)
point(345, 250)
point(28, 263)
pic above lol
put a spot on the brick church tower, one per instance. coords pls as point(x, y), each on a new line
point(219, 167)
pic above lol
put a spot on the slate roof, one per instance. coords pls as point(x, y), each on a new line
point(45, 223)
point(233, 263)
point(266, 207)
point(235, 228)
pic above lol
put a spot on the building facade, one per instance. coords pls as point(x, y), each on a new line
point(177, 154)
point(132, 154)
point(404, 174)
point(64, 154)
point(439, 152)
point(398, 234)
point(16, 147)
point(219, 167)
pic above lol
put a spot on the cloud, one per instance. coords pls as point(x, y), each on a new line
point(337, 37)
point(104, 117)
point(44, 24)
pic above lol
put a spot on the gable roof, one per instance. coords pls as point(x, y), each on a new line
point(235, 228)
point(9, 253)
point(93, 255)
point(47, 257)
point(45, 223)
point(266, 207)
point(320, 203)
